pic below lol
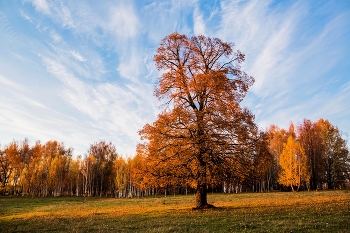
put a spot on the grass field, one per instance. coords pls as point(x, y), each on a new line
point(325, 211)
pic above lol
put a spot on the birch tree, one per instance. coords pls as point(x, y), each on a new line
point(293, 165)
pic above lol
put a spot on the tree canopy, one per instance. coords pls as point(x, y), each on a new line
point(202, 129)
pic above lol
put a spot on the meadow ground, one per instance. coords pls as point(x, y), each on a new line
point(321, 211)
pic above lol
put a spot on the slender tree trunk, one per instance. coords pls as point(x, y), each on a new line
point(101, 187)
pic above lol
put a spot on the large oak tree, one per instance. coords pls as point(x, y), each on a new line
point(202, 133)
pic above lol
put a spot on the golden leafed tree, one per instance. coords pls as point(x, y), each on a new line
point(202, 128)
point(293, 164)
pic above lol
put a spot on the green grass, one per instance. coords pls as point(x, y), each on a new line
point(325, 211)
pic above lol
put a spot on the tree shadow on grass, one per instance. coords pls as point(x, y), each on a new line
point(205, 207)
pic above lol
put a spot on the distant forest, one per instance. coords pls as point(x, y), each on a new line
point(310, 156)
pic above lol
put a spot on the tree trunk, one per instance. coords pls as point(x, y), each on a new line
point(201, 197)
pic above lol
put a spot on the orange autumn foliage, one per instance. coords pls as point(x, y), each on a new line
point(203, 129)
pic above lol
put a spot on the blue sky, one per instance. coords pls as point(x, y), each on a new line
point(83, 71)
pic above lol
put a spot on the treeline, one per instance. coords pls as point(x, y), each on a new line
point(312, 155)
point(50, 170)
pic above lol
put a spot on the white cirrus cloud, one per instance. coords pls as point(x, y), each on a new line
point(9, 84)
point(117, 111)
point(41, 6)
point(77, 56)
point(55, 36)
point(199, 25)
point(122, 21)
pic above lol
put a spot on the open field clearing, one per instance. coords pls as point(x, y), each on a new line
point(325, 211)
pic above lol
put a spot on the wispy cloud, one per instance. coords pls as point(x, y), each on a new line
point(264, 36)
point(289, 58)
point(9, 84)
point(131, 65)
point(110, 22)
point(55, 37)
point(77, 56)
point(113, 109)
point(25, 16)
point(41, 6)
point(199, 25)
point(122, 22)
